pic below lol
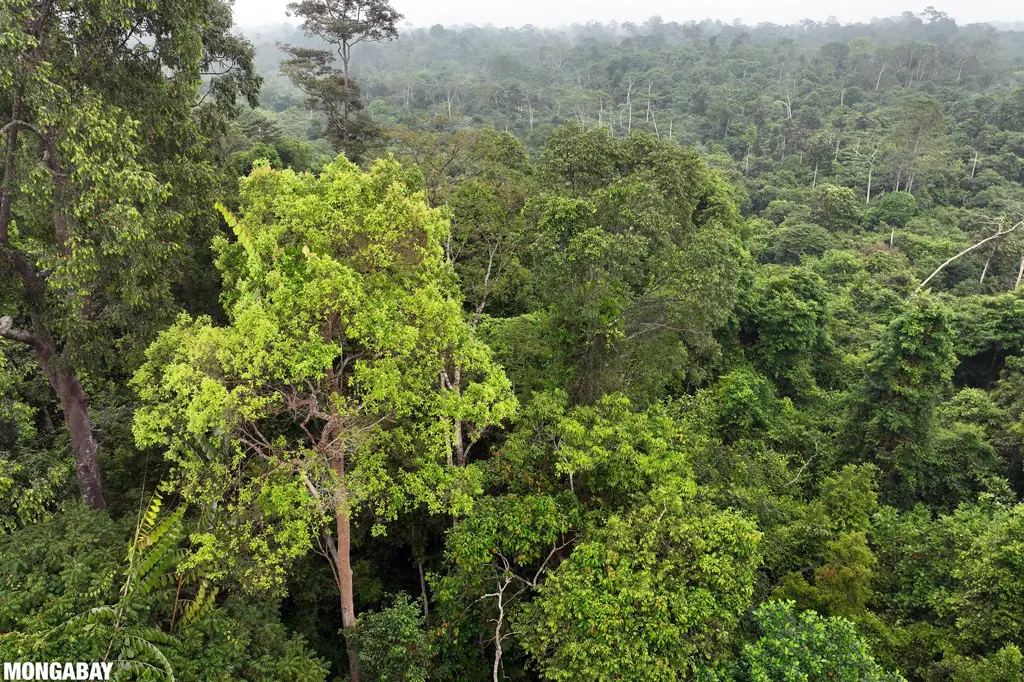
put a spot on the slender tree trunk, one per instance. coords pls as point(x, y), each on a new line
point(629, 104)
point(498, 636)
point(348, 604)
point(879, 81)
point(984, 270)
point(1020, 273)
point(423, 590)
point(1001, 232)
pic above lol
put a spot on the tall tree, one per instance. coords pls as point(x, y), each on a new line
point(326, 387)
point(343, 24)
point(100, 107)
point(638, 262)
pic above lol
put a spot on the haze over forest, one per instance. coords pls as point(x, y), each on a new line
point(512, 343)
point(451, 13)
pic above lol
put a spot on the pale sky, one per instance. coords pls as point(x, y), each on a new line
point(558, 12)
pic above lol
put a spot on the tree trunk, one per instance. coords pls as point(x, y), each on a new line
point(348, 604)
point(75, 403)
point(73, 398)
point(423, 590)
point(984, 270)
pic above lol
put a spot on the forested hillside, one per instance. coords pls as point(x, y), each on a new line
point(673, 351)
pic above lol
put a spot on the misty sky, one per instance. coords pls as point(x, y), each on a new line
point(556, 12)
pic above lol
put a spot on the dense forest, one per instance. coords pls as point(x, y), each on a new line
point(338, 350)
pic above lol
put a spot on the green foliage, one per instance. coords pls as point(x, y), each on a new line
point(342, 320)
point(792, 241)
point(638, 259)
point(694, 250)
point(892, 424)
point(70, 593)
point(787, 321)
point(835, 208)
point(651, 595)
point(805, 647)
point(393, 645)
point(894, 209)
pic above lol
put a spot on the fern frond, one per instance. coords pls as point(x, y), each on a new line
point(204, 600)
point(155, 652)
point(145, 525)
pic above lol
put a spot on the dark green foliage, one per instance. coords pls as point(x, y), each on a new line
point(835, 208)
point(892, 424)
point(637, 257)
point(393, 645)
point(786, 326)
point(791, 241)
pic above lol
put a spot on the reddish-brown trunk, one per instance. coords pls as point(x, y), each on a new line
point(348, 604)
point(75, 403)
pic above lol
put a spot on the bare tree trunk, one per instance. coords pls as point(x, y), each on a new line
point(1020, 273)
point(629, 104)
point(999, 233)
point(974, 166)
point(499, 623)
point(879, 81)
point(460, 445)
point(453, 382)
point(348, 604)
point(984, 270)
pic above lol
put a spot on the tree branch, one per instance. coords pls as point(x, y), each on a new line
point(23, 124)
point(8, 332)
point(1001, 232)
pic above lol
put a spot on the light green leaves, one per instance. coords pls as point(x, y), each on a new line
point(339, 382)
